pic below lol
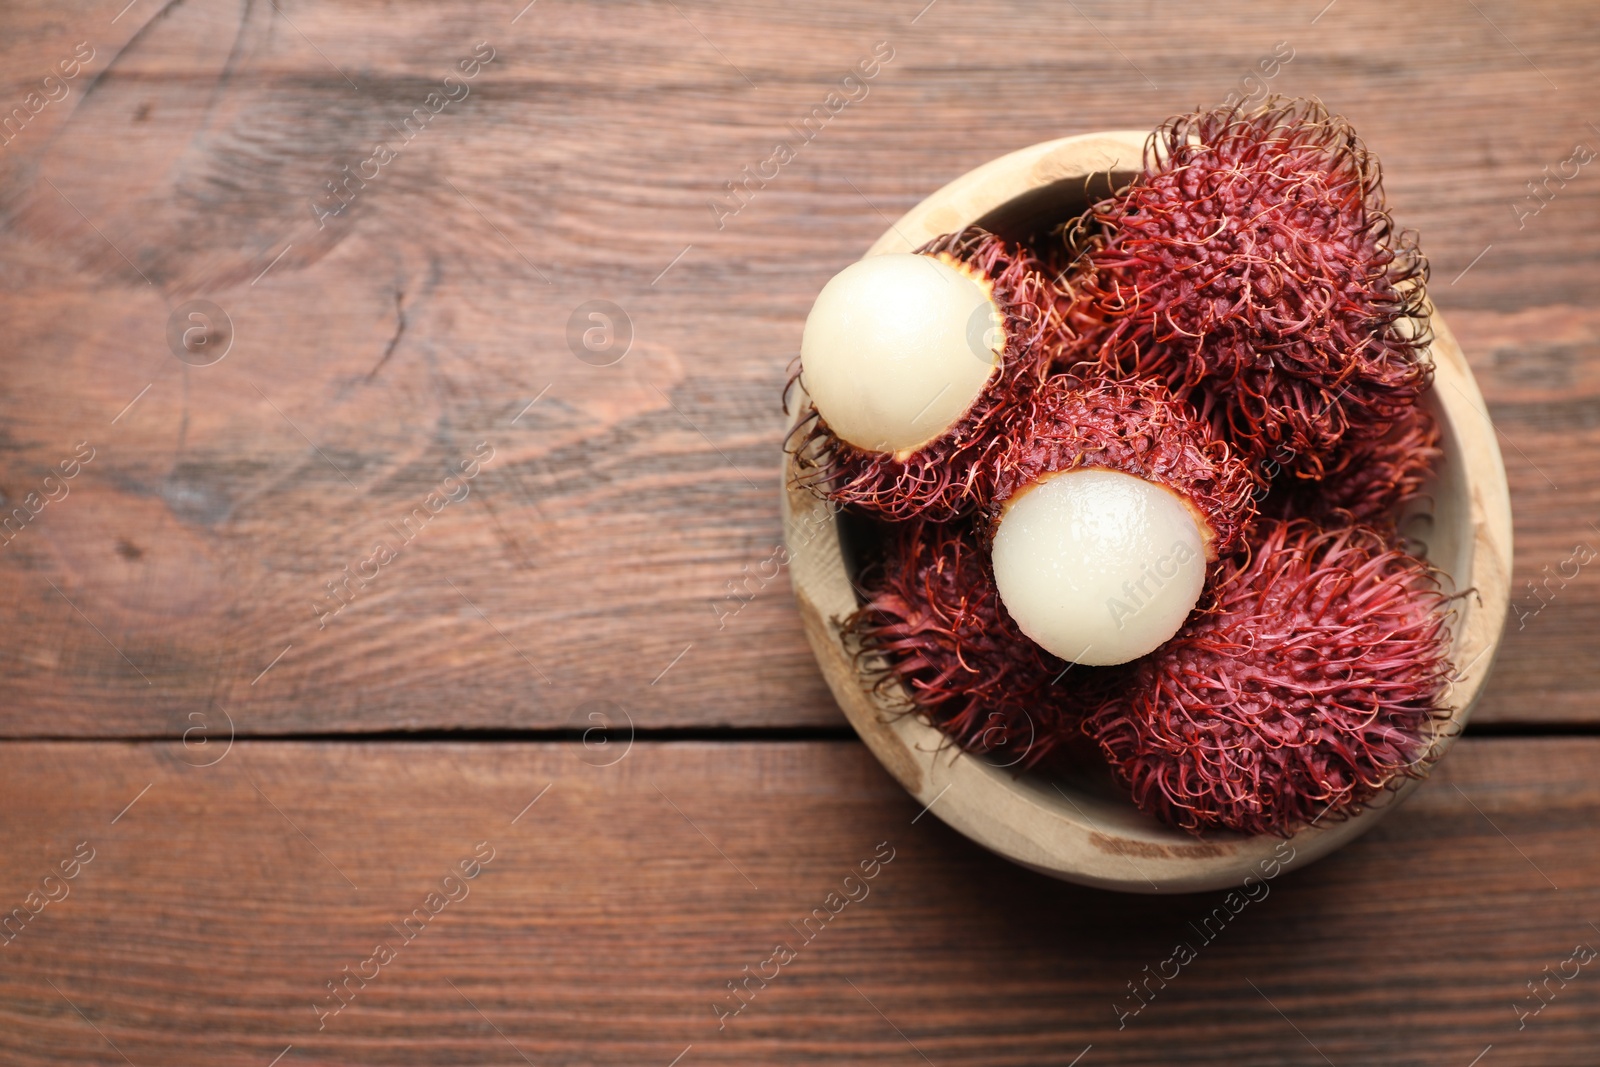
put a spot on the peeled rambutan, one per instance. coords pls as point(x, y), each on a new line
point(1253, 267)
point(1373, 480)
point(933, 616)
point(1314, 680)
point(1138, 428)
point(1109, 502)
point(913, 370)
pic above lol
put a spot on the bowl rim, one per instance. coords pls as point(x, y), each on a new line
point(1015, 816)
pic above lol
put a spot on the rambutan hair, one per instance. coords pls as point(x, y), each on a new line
point(1314, 679)
point(1370, 481)
point(933, 625)
point(1254, 268)
point(950, 475)
point(1138, 428)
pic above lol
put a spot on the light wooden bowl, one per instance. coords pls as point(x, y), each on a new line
point(1079, 830)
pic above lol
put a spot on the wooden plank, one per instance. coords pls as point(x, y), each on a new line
point(616, 909)
point(373, 353)
point(1542, 366)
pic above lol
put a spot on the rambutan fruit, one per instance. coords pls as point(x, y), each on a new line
point(1109, 502)
point(1372, 481)
point(1313, 680)
point(1254, 268)
point(934, 617)
point(912, 363)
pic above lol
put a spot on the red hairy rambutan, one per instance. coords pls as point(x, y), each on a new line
point(951, 474)
point(933, 615)
point(1254, 268)
point(1137, 428)
point(1313, 680)
point(1373, 481)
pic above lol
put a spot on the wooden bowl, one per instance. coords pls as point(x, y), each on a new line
point(1083, 831)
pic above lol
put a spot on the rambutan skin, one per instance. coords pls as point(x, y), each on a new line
point(1138, 428)
point(934, 619)
point(951, 475)
point(1253, 267)
point(1369, 482)
point(1313, 680)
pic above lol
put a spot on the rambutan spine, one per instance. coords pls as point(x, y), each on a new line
point(1138, 428)
point(1254, 267)
point(951, 475)
point(932, 628)
point(1368, 482)
point(1315, 679)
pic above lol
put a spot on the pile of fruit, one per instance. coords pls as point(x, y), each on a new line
point(1140, 478)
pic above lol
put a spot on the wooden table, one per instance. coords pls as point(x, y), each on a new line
point(414, 529)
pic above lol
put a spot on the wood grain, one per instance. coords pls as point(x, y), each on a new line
point(597, 547)
point(607, 923)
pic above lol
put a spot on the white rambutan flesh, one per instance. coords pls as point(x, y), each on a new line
point(1098, 566)
point(897, 348)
